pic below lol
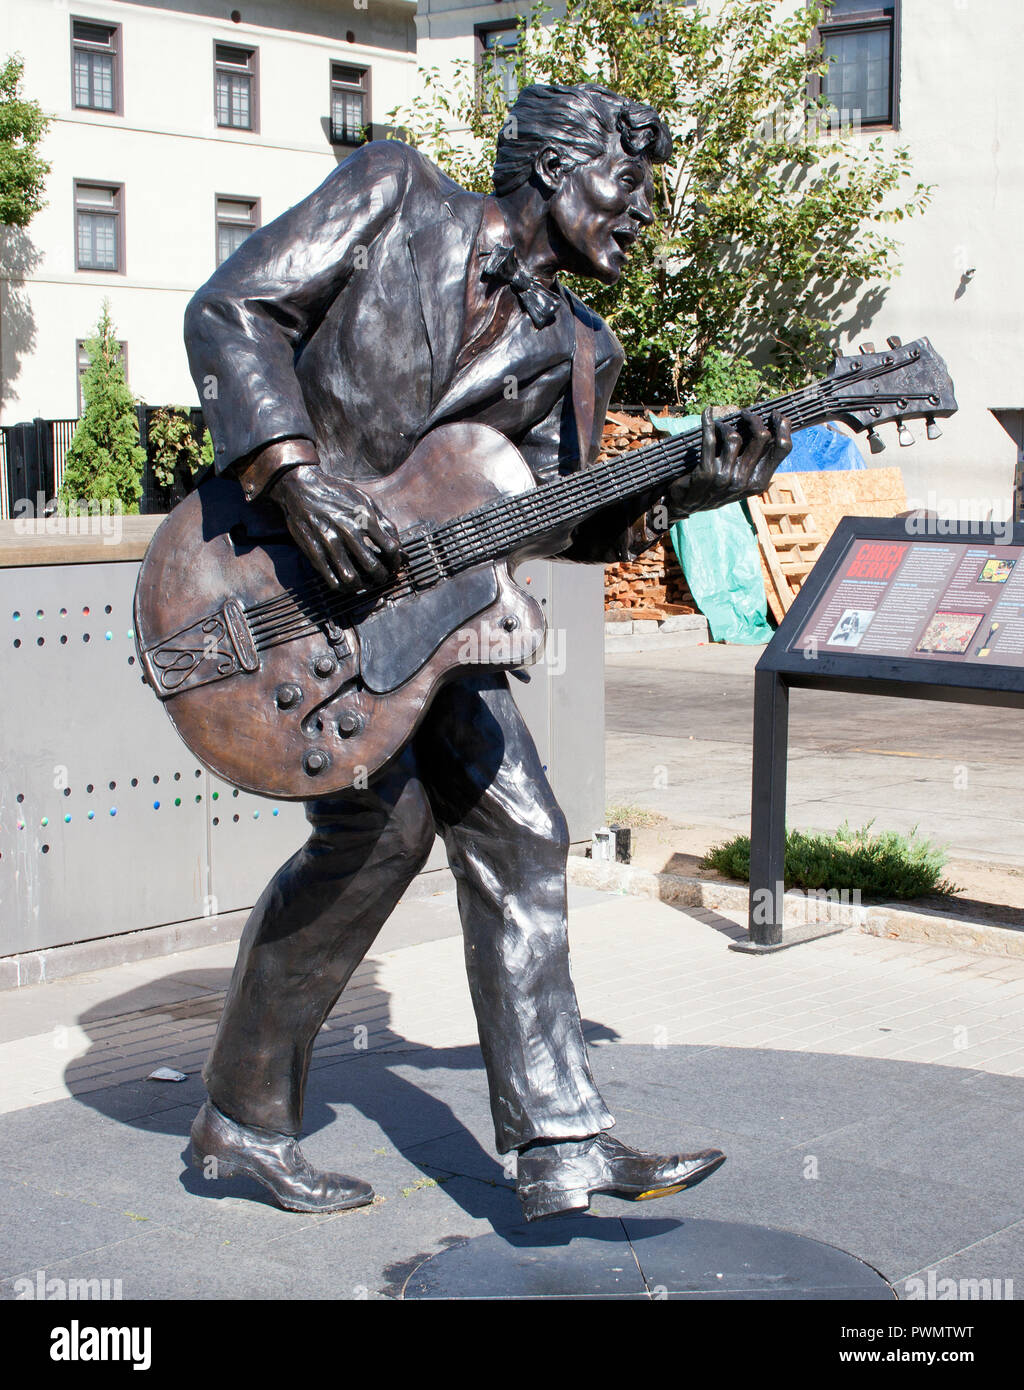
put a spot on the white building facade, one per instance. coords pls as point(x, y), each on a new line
point(178, 127)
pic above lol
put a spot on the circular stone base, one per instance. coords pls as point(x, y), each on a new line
point(645, 1258)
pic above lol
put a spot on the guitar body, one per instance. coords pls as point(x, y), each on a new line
point(282, 701)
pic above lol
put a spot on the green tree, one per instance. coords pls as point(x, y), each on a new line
point(175, 451)
point(771, 218)
point(105, 460)
point(22, 126)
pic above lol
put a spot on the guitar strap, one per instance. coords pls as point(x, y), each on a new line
point(584, 386)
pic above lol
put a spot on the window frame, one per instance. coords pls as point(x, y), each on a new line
point(119, 238)
point(253, 128)
point(480, 31)
point(876, 14)
point(80, 374)
point(116, 52)
point(257, 212)
point(367, 91)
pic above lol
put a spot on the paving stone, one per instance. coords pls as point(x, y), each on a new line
point(40, 1227)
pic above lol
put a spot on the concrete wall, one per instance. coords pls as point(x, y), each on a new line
point(108, 824)
point(173, 160)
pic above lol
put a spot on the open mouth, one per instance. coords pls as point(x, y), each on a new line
point(624, 237)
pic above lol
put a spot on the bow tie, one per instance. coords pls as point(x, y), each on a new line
point(541, 304)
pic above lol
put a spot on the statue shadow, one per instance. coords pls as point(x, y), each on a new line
point(359, 1088)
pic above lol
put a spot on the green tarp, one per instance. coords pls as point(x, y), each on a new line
point(719, 555)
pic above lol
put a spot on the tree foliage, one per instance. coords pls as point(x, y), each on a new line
point(22, 126)
point(175, 452)
point(772, 216)
point(105, 460)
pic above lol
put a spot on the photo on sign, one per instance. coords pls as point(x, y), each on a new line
point(949, 632)
point(995, 572)
point(851, 627)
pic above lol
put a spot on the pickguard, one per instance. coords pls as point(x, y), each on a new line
point(398, 639)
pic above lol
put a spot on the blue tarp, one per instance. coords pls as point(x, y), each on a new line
point(821, 449)
point(718, 549)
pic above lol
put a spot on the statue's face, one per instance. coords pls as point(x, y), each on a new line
point(598, 211)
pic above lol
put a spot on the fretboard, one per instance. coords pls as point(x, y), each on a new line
point(510, 524)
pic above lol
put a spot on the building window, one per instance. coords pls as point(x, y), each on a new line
point(235, 92)
point(95, 66)
point(82, 366)
point(495, 55)
point(350, 104)
point(860, 40)
point(99, 226)
point(236, 218)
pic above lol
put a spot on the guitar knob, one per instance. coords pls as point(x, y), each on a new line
point(894, 342)
point(349, 723)
point(906, 438)
point(287, 696)
point(867, 348)
point(323, 665)
point(876, 442)
point(315, 761)
point(933, 430)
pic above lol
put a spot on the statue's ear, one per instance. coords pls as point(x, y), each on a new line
point(550, 168)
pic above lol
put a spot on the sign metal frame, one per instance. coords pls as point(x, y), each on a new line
point(781, 668)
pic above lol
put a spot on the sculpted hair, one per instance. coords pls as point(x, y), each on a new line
point(577, 122)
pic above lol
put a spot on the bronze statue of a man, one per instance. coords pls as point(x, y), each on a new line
point(388, 302)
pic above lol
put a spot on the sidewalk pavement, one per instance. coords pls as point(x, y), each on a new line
point(679, 730)
point(867, 1092)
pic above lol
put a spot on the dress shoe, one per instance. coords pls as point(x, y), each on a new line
point(562, 1177)
point(275, 1160)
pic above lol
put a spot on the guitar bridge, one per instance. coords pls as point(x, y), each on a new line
point(209, 650)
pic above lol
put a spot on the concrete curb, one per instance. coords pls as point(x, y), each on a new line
point(643, 635)
point(879, 919)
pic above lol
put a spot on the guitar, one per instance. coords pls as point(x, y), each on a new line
point(287, 689)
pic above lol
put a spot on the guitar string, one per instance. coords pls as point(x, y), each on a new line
point(490, 518)
point(472, 538)
point(283, 619)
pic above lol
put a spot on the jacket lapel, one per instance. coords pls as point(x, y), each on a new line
point(440, 255)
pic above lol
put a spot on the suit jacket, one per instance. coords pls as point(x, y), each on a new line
point(341, 322)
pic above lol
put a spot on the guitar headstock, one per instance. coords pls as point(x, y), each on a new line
point(908, 382)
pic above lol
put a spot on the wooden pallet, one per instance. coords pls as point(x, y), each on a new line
point(789, 540)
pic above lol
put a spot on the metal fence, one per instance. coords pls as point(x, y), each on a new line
point(33, 455)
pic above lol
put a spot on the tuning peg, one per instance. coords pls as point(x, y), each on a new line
point(906, 438)
point(876, 442)
point(894, 342)
point(866, 348)
point(933, 430)
point(837, 354)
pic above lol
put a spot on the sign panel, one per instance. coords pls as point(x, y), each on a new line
point(949, 599)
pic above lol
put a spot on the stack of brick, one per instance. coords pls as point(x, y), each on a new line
point(654, 585)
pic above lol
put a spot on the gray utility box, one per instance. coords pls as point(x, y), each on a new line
point(107, 822)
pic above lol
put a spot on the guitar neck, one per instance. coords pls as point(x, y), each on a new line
point(501, 528)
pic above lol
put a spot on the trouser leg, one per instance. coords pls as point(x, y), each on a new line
point(310, 929)
point(507, 844)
